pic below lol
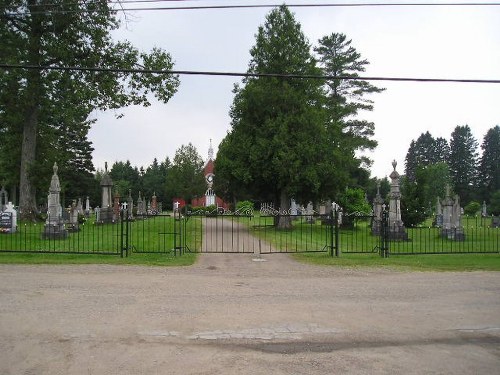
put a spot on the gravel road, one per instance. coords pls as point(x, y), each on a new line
point(237, 314)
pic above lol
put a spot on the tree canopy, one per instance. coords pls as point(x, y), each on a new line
point(290, 137)
point(38, 106)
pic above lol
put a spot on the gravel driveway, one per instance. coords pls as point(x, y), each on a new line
point(232, 314)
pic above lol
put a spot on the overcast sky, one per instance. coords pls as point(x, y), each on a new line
point(419, 42)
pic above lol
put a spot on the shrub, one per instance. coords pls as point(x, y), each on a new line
point(244, 207)
point(472, 208)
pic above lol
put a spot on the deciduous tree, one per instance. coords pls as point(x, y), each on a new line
point(59, 34)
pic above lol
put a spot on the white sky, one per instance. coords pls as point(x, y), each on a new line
point(423, 42)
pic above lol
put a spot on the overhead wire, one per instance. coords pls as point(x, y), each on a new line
point(247, 75)
point(247, 6)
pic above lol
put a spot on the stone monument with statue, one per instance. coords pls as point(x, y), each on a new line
point(54, 225)
point(397, 229)
point(106, 211)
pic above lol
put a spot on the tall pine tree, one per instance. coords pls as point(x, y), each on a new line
point(463, 162)
point(489, 166)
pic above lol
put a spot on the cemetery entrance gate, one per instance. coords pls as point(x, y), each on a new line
point(228, 232)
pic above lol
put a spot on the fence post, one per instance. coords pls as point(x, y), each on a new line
point(336, 226)
point(121, 233)
point(384, 235)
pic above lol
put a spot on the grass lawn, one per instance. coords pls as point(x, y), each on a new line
point(439, 262)
point(186, 259)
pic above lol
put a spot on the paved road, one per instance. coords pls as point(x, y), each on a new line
point(230, 314)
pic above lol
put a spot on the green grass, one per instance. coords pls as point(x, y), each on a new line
point(151, 243)
point(186, 259)
point(440, 262)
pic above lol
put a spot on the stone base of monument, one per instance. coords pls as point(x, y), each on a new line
point(54, 231)
point(398, 233)
point(454, 234)
point(106, 216)
point(72, 228)
point(377, 227)
point(495, 221)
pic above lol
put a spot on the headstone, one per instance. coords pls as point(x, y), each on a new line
point(4, 199)
point(439, 213)
point(154, 204)
point(310, 213)
point(106, 214)
point(322, 209)
point(397, 230)
point(293, 208)
point(130, 205)
point(452, 216)
point(116, 207)
point(87, 207)
point(141, 208)
point(484, 212)
point(79, 207)
point(378, 203)
point(97, 211)
point(54, 225)
point(8, 219)
point(495, 221)
point(73, 218)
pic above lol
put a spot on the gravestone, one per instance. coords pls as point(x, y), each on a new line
point(310, 213)
point(154, 204)
point(106, 213)
point(130, 205)
point(79, 207)
point(54, 225)
point(141, 206)
point(439, 213)
point(452, 217)
point(116, 207)
point(4, 199)
point(8, 219)
point(397, 229)
point(87, 207)
point(73, 218)
point(484, 212)
point(495, 221)
point(97, 211)
point(378, 207)
point(293, 208)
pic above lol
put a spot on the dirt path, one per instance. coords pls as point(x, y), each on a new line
point(230, 314)
point(229, 236)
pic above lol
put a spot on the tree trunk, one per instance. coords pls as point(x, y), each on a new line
point(284, 218)
point(27, 199)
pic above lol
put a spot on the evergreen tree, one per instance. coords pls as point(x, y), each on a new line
point(277, 147)
point(125, 177)
point(423, 152)
point(347, 97)
point(463, 162)
point(489, 167)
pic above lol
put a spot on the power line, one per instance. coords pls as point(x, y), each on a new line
point(247, 75)
point(253, 6)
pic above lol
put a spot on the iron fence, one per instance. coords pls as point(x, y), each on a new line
point(226, 232)
point(86, 238)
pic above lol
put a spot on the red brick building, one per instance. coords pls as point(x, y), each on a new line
point(210, 198)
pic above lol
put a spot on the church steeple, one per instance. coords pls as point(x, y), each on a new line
point(210, 151)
